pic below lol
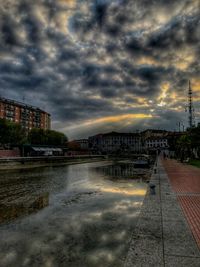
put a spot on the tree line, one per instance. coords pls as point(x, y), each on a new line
point(12, 134)
point(188, 145)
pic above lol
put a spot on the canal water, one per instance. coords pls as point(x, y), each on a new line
point(71, 216)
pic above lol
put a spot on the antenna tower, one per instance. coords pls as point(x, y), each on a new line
point(191, 117)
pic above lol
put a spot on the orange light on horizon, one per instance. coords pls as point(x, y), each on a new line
point(113, 119)
point(118, 118)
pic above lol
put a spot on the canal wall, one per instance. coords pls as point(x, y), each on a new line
point(8, 153)
point(34, 162)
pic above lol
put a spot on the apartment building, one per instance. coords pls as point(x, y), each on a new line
point(27, 116)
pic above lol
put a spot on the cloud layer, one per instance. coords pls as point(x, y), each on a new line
point(87, 62)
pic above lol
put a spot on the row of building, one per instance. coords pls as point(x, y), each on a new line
point(114, 142)
point(149, 140)
point(26, 115)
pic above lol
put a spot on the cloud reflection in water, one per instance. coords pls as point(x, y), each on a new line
point(86, 224)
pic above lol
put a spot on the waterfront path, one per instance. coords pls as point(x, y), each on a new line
point(163, 236)
point(185, 181)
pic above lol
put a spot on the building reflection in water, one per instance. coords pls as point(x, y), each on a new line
point(24, 192)
point(12, 211)
point(123, 170)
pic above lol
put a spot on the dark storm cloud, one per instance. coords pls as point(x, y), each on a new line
point(30, 22)
point(135, 46)
point(9, 37)
point(79, 59)
point(67, 54)
point(100, 8)
point(73, 111)
point(180, 31)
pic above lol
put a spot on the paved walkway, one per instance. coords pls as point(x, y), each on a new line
point(163, 237)
point(185, 180)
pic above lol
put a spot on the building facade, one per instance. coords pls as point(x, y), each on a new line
point(154, 143)
point(155, 140)
point(27, 116)
point(83, 143)
point(149, 133)
point(115, 142)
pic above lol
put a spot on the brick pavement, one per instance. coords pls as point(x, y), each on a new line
point(185, 181)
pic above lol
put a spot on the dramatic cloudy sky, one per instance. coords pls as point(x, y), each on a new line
point(102, 65)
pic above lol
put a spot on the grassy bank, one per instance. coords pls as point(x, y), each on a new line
point(195, 162)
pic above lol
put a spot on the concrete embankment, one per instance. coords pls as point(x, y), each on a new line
point(162, 236)
point(34, 162)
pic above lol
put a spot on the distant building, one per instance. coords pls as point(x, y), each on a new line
point(27, 116)
point(154, 139)
point(83, 143)
point(153, 133)
point(95, 143)
point(115, 142)
point(154, 143)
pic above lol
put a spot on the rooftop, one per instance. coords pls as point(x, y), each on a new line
point(21, 104)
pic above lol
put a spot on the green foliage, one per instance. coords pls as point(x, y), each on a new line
point(195, 162)
point(188, 145)
point(37, 136)
point(46, 137)
point(11, 133)
point(56, 138)
point(195, 137)
point(184, 141)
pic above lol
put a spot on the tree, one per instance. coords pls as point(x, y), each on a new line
point(184, 146)
point(11, 133)
point(37, 137)
point(55, 138)
point(46, 137)
point(17, 134)
point(188, 145)
point(195, 139)
point(3, 131)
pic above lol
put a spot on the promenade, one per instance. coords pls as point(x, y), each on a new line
point(185, 181)
point(167, 232)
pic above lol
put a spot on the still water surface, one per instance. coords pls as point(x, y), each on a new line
point(74, 216)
